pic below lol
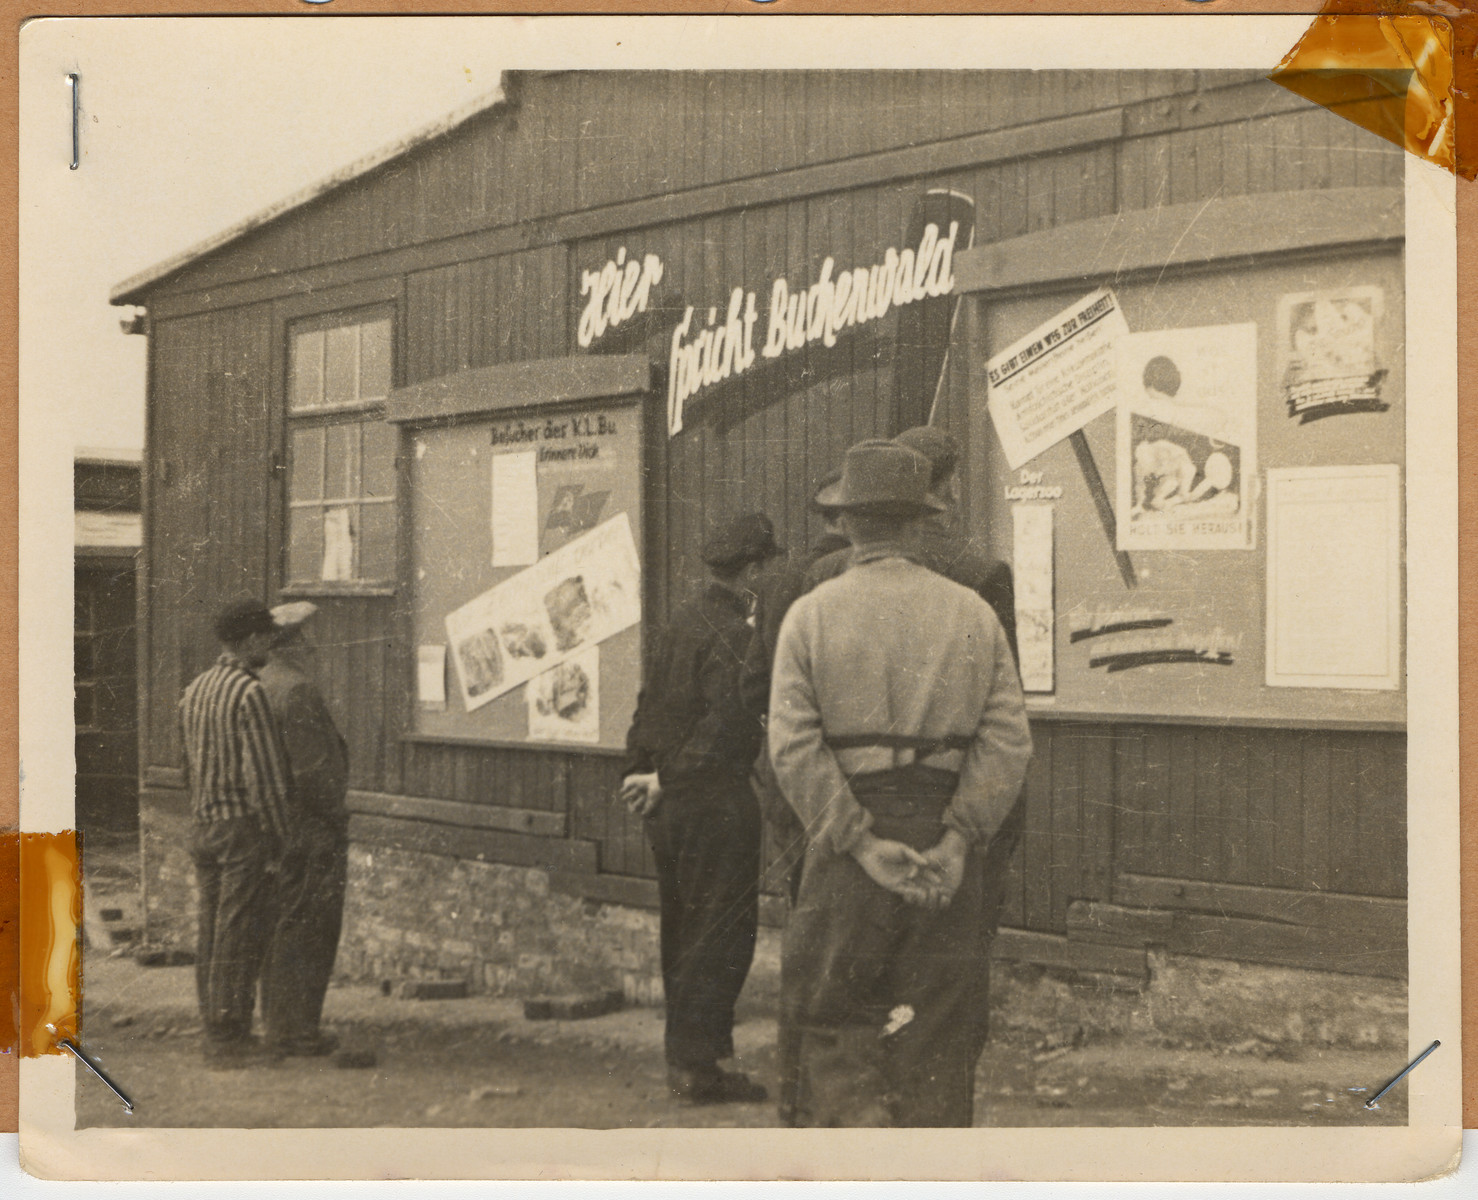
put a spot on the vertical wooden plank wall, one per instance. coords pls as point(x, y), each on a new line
point(1277, 808)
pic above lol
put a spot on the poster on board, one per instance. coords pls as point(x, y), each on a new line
point(1032, 560)
point(1057, 378)
point(564, 702)
point(575, 598)
point(1326, 352)
point(1187, 438)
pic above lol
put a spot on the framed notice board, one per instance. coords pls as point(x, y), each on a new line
point(1227, 377)
point(525, 558)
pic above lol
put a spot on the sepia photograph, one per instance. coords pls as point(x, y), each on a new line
point(646, 592)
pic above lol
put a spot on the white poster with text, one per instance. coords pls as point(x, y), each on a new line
point(1057, 378)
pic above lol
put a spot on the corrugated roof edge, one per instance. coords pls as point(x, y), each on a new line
point(505, 93)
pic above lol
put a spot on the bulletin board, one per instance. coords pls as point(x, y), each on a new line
point(1170, 619)
point(526, 532)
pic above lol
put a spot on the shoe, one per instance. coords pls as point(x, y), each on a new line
point(239, 1053)
point(713, 1086)
point(319, 1046)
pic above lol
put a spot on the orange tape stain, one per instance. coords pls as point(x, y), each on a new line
point(1392, 72)
point(49, 961)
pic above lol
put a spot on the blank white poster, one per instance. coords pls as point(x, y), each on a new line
point(515, 510)
point(1334, 577)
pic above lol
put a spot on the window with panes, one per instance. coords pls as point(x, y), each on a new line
point(341, 454)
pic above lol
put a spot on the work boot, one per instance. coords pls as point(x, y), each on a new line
point(709, 1085)
point(320, 1045)
point(237, 1054)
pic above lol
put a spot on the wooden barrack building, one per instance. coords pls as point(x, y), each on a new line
point(535, 322)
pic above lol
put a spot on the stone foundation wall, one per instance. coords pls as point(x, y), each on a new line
point(412, 915)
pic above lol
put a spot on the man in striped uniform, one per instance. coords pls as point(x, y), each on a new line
point(238, 779)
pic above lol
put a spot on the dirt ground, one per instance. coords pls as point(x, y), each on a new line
point(477, 1062)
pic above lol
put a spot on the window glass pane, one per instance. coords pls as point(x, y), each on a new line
point(340, 531)
point(340, 367)
point(374, 359)
point(307, 465)
point(379, 458)
point(304, 544)
point(82, 705)
point(342, 477)
point(308, 369)
point(81, 610)
point(377, 542)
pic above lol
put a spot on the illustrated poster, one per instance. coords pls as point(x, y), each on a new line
point(1327, 352)
point(581, 594)
point(1034, 605)
point(564, 702)
point(1057, 378)
point(1187, 438)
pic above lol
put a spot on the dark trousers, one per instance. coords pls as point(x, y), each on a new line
point(885, 994)
point(994, 864)
point(706, 839)
point(787, 858)
point(233, 872)
point(309, 907)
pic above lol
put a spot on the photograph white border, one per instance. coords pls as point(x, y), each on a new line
point(51, 1146)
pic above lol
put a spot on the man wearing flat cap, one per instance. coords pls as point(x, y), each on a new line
point(310, 886)
point(899, 735)
point(237, 776)
point(689, 753)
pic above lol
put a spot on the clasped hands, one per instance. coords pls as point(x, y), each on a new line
point(928, 878)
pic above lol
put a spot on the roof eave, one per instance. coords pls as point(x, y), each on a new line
point(132, 290)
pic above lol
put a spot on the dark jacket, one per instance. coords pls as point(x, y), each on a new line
point(315, 749)
point(689, 721)
point(949, 553)
point(784, 585)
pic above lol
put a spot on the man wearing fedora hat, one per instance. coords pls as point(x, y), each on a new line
point(690, 750)
point(899, 735)
point(310, 886)
point(937, 542)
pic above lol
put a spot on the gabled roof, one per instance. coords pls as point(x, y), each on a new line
point(127, 291)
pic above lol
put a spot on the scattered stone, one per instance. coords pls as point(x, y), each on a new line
point(123, 1021)
point(1177, 1085)
point(1069, 1039)
point(1264, 1093)
point(491, 1091)
point(111, 914)
point(577, 1007)
point(1049, 1055)
point(1226, 1102)
point(1046, 1089)
point(1308, 1092)
point(1253, 1046)
point(1310, 1108)
point(435, 1111)
point(432, 989)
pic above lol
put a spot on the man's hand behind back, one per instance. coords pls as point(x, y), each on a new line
point(895, 866)
point(944, 868)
